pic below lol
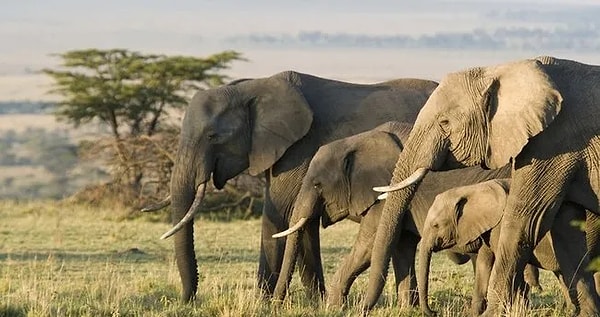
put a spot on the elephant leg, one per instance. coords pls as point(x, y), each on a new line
point(532, 277)
point(356, 262)
point(528, 215)
point(573, 259)
point(592, 232)
point(311, 267)
point(483, 267)
point(280, 192)
point(511, 257)
point(271, 250)
point(571, 302)
point(403, 261)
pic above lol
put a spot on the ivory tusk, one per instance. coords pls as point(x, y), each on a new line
point(412, 179)
point(291, 230)
point(382, 196)
point(159, 205)
point(194, 208)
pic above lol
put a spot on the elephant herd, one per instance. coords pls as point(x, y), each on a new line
point(491, 165)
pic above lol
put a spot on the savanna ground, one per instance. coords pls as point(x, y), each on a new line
point(59, 259)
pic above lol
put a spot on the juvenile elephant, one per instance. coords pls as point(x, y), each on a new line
point(273, 125)
point(338, 185)
point(542, 116)
point(466, 219)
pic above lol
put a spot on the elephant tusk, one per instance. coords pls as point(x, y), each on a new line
point(291, 230)
point(190, 214)
point(412, 179)
point(159, 205)
point(382, 196)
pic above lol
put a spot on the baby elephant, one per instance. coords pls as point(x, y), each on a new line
point(466, 219)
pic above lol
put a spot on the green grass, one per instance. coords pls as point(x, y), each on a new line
point(72, 260)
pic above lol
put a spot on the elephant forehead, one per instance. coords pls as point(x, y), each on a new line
point(210, 103)
point(325, 160)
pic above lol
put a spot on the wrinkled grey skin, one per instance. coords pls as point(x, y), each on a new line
point(338, 186)
point(467, 219)
point(275, 125)
point(543, 116)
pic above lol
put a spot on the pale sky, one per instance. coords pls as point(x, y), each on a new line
point(30, 30)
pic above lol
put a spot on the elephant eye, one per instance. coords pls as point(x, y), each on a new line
point(444, 125)
point(212, 137)
point(317, 185)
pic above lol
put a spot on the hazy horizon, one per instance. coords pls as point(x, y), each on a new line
point(35, 29)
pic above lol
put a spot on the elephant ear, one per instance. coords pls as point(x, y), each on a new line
point(370, 164)
point(520, 101)
point(280, 116)
point(480, 209)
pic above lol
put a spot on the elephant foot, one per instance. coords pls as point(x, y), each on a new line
point(587, 313)
point(477, 307)
point(429, 312)
point(336, 299)
point(408, 299)
point(490, 312)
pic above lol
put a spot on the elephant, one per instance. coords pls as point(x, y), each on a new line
point(540, 115)
point(272, 125)
point(338, 186)
point(466, 219)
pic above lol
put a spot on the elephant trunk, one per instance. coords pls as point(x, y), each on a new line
point(190, 214)
point(413, 164)
point(423, 279)
point(304, 209)
point(385, 238)
point(288, 266)
point(184, 196)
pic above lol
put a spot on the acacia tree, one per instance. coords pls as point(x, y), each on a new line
point(133, 94)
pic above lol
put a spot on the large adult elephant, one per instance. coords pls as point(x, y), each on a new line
point(273, 125)
point(542, 115)
point(338, 185)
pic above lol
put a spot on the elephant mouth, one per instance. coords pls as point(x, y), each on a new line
point(436, 248)
point(225, 169)
point(329, 219)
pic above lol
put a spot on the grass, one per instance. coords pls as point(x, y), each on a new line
point(72, 260)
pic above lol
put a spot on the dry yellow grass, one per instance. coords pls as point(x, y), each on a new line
point(72, 260)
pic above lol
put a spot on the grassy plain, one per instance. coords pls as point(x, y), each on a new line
point(72, 260)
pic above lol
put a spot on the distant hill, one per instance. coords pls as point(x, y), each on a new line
point(583, 39)
point(25, 107)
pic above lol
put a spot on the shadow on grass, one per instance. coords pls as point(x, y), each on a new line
point(12, 311)
point(230, 255)
point(131, 255)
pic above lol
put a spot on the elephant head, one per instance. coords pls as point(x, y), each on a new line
point(480, 116)
point(225, 131)
point(456, 220)
point(338, 185)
